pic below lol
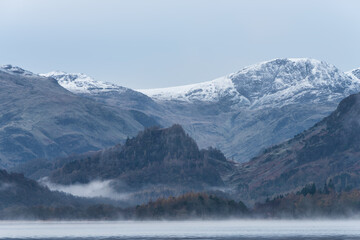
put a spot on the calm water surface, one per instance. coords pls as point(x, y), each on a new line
point(237, 229)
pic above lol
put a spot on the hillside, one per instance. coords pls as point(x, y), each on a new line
point(329, 151)
point(18, 191)
point(40, 119)
point(157, 162)
point(112, 95)
point(25, 199)
point(311, 202)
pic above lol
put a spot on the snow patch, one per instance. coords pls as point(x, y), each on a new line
point(81, 83)
point(15, 70)
point(354, 74)
point(211, 91)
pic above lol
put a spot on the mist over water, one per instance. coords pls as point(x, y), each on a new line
point(235, 229)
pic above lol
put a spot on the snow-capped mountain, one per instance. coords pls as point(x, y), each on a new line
point(241, 113)
point(284, 81)
point(279, 81)
point(258, 106)
point(10, 69)
point(81, 83)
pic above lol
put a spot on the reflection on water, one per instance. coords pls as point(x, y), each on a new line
point(239, 229)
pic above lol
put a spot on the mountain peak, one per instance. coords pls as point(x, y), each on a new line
point(81, 83)
point(284, 81)
point(156, 156)
point(15, 70)
point(172, 138)
point(279, 81)
point(270, 70)
point(283, 61)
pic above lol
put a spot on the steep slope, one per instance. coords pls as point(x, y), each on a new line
point(329, 151)
point(40, 119)
point(158, 162)
point(241, 113)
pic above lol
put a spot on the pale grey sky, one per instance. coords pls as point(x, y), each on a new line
point(160, 43)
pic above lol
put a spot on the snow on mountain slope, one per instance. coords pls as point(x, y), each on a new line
point(15, 70)
point(285, 81)
point(275, 82)
point(140, 106)
point(81, 83)
point(354, 74)
point(211, 91)
point(278, 81)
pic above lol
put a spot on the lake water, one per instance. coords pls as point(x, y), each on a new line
point(235, 229)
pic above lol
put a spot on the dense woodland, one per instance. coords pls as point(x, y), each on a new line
point(191, 205)
point(154, 156)
point(187, 206)
point(312, 201)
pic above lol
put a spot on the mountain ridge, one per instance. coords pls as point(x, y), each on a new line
point(234, 83)
point(249, 110)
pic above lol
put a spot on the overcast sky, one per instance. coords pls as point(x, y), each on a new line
point(160, 43)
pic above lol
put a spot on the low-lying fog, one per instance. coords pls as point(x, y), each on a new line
point(92, 189)
point(254, 229)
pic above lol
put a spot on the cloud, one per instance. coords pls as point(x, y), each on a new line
point(92, 189)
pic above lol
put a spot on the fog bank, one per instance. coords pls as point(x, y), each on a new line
point(96, 188)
